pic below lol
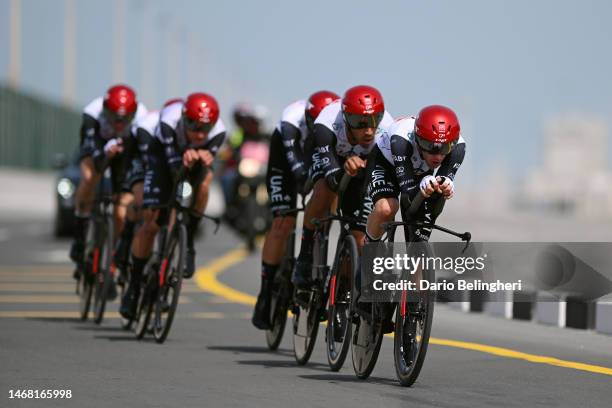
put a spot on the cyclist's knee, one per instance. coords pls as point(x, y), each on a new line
point(282, 227)
point(88, 171)
point(149, 225)
point(386, 208)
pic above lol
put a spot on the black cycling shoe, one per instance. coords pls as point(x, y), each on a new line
point(76, 251)
point(129, 302)
point(122, 252)
point(302, 273)
point(261, 314)
point(189, 264)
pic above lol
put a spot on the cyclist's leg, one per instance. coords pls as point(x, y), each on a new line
point(84, 198)
point(318, 206)
point(201, 179)
point(134, 185)
point(156, 195)
point(283, 196)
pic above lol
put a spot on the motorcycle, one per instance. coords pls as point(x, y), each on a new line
point(247, 210)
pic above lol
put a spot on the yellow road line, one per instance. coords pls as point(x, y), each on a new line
point(33, 279)
point(38, 299)
point(38, 287)
point(57, 299)
point(504, 352)
point(206, 278)
point(48, 314)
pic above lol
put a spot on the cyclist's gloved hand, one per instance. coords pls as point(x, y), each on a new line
point(447, 187)
point(429, 185)
point(113, 147)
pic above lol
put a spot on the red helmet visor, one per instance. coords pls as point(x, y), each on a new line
point(115, 117)
point(196, 125)
point(356, 121)
point(435, 148)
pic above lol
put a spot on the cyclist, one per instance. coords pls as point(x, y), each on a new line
point(188, 136)
point(285, 177)
point(413, 155)
point(421, 154)
point(105, 133)
point(344, 133)
point(142, 133)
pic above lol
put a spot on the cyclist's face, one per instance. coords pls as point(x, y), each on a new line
point(196, 137)
point(432, 160)
point(363, 137)
point(119, 126)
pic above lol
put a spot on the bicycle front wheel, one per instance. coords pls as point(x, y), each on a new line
point(170, 280)
point(103, 276)
point(413, 323)
point(338, 332)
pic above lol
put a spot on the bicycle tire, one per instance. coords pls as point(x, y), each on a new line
point(85, 293)
point(306, 317)
point(412, 328)
point(339, 310)
point(281, 298)
point(366, 341)
point(145, 305)
point(177, 248)
point(104, 276)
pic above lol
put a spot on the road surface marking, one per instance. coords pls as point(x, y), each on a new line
point(58, 299)
point(49, 314)
point(206, 277)
point(207, 280)
point(38, 287)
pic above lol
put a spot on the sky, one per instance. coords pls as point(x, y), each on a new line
point(503, 66)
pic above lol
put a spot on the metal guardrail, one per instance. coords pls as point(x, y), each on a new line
point(33, 130)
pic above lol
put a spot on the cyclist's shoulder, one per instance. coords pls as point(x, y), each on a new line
point(171, 114)
point(331, 116)
point(94, 108)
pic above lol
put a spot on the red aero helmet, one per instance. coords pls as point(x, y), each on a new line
point(318, 100)
point(438, 124)
point(437, 129)
point(120, 100)
point(171, 101)
point(363, 107)
point(363, 100)
point(201, 107)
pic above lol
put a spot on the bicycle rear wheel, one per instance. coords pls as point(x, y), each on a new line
point(170, 281)
point(338, 331)
point(305, 328)
point(366, 341)
point(103, 255)
point(281, 298)
point(307, 313)
point(145, 303)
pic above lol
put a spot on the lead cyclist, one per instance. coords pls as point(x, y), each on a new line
point(414, 155)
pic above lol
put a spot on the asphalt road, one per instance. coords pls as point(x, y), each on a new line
point(214, 357)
